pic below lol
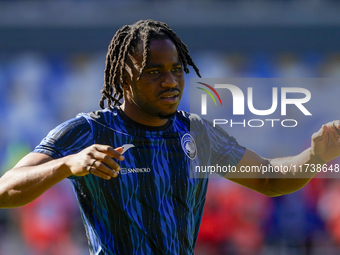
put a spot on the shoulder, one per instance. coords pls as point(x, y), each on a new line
point(75, 125)
point(195, 123)
point(67, 138)
point(101, 118)
point(189, 118)
point(201, 127)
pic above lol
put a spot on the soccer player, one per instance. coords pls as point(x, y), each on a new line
point(129, 163)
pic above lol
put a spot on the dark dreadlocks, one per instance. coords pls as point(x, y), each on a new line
point(124, 42)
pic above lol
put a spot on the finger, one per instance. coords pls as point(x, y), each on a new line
point(119, 149)
point(106, 163)
point(113, 153)
point(332, 130)
point(337, 128)
point(102, 167)
point(336, 125)
point(317, 136)
point(97, 172)
point(92, 165)
point(102, 170)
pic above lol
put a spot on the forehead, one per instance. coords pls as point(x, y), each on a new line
point(161, 51)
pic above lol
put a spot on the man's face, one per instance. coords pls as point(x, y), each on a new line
point(155, 97)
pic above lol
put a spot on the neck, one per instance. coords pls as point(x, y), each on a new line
point(142, 118)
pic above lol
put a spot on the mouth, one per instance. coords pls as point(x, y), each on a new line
point(170, 97)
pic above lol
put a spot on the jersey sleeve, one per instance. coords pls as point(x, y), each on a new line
point(225, 150)
point(68, 138)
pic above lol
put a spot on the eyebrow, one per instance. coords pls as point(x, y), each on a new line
point(155, 65)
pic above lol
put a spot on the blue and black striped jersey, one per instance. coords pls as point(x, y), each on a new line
point(155, 205)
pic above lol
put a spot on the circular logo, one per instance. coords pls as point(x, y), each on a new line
point(189, 146)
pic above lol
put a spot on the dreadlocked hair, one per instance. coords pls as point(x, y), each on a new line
point(124, 42)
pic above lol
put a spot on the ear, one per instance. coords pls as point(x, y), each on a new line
point(126, 80)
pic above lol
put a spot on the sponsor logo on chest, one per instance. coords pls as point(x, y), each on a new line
point(131, 170)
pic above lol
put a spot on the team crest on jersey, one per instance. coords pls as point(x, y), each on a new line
point(189, 146)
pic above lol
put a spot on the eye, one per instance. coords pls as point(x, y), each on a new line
point(154, 72)
point(177, 70)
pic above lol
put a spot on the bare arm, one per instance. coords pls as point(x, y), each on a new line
point(325, 146)
point(37, 172)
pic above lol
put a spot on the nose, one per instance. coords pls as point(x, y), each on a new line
point(169, 80)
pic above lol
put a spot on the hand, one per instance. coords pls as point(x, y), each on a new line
point(326, 142)
point(97, 160)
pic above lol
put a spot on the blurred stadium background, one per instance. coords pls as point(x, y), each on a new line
point(52, 56)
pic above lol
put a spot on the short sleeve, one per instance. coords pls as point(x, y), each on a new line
point(68, 138)
point(225, 150)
